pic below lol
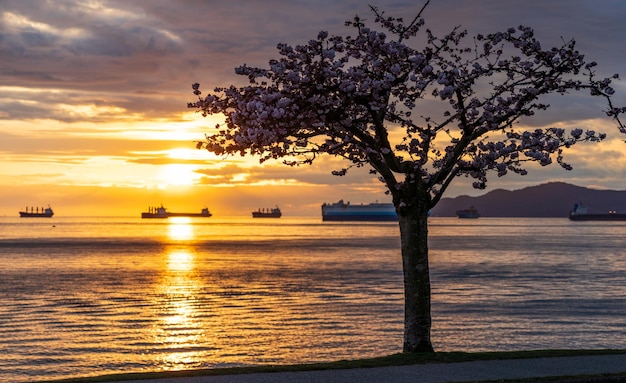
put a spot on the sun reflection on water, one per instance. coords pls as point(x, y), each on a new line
point(180, 334)
point(180, 229)
point(180, 261)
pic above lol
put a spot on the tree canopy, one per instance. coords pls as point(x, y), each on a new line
point(344, 96)
point(419, 109)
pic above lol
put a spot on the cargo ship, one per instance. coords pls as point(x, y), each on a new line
point(267, 213)
point(468, 213)
point(344, 211)
point(161, 212)
point(36, 213)
point(580, 213)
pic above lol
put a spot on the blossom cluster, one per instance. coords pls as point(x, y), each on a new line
point(346, 96)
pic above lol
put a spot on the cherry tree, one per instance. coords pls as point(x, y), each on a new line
point(419, 118)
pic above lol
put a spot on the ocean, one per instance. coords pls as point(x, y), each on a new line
point(86, 296)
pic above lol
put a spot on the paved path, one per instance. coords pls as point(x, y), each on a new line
point(432, 373)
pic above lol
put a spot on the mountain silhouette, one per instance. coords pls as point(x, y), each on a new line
point(553, 199)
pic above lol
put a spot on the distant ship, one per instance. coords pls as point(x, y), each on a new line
point(161, 212)
point(468, 213)
point(344, 211)
point(36, 213)
point(267, 213)
point(580, 213)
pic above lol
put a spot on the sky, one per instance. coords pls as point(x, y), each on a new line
point(93, 100)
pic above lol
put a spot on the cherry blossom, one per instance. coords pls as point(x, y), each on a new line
point(458, 101)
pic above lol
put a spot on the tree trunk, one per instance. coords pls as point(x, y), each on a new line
point(414, 241)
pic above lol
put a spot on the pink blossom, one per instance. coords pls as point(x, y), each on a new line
point(427, 109)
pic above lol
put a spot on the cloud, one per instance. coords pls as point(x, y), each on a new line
point(165, 161)
point(111, 79)
point(319, 174)
point(55, 142)
point(142, 57)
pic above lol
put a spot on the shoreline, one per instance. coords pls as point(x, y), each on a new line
point(385, 362)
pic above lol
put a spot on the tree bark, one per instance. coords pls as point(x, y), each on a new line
point(414, 241)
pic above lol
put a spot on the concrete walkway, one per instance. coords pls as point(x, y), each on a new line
point(432, 373)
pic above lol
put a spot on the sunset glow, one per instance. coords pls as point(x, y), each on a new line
point(94, 117)
point(177, 174)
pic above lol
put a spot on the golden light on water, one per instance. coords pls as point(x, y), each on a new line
point(180, 229)
point(180, 261)
point(179, 331)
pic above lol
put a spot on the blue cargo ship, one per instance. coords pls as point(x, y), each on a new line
point(580, 213)
point(468, 213)
point(344, 211)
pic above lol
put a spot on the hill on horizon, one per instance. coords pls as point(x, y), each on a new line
point(552, 199)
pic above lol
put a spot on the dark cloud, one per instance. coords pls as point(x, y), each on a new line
point(144, 49)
